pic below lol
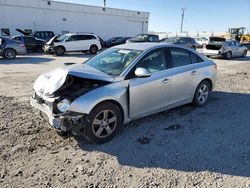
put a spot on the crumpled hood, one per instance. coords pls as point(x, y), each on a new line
point(48, 83)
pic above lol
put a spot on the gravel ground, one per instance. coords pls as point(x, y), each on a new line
point(183, 147)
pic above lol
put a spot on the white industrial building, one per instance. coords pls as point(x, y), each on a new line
point(47, 15)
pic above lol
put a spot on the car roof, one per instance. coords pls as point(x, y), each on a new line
point(144, 46)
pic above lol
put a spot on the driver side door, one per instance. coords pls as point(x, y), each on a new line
point(148, 95)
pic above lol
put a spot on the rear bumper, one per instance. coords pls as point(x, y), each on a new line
point(207, 52)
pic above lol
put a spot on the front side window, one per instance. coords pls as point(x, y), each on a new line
point(73, 38)
point(113, 61)
point(62, 38)
point(154, 61)
point(180, 57)
point(5, 32)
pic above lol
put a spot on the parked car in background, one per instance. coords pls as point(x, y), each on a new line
point(143, 38)
point(218, 46)
point(121, 84)
point(44, 35)
point(183, 41)
point(10, 48)
point(116, 41)
point(205, 40)
point(108, 43)
point(32, 44)
point(202, 42)
point(76, 42)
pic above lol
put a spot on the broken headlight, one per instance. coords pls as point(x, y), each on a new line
point(63, 105)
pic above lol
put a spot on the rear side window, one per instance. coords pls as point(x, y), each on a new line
point(195, 58)
point(180, 57)
point(86, 37)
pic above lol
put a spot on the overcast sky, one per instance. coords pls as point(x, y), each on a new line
point(200, 15)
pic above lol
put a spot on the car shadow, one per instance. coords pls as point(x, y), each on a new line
point(26, 60)
point(213, 138)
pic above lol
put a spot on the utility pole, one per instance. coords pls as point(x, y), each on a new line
point(182, 17)
point(104, 1)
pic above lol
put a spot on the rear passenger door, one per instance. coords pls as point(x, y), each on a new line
point(86, 41)
point(183, 71)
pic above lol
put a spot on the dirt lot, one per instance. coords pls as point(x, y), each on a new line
point(183, 147)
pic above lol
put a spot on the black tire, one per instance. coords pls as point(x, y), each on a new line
point(228, 55)
point(60, 51)
point(9, 53)
point(193, 47)
point(100, 129)
point(244, 53)
point(198, 93)
point(93, 49)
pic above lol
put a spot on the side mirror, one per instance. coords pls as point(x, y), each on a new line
point(142, 72)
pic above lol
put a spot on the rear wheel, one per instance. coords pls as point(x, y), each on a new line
point(93, 49)
point(193, 47)
point(103, 123)
point(228, 55)
point(202, 93)
point(60, 51)
point(9, 53)
point(244, 54)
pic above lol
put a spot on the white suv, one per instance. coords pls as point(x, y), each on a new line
point(74, 42)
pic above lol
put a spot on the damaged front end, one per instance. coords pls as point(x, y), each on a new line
point(55, 91)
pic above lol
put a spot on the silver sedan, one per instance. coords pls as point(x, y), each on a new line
point(122, 84)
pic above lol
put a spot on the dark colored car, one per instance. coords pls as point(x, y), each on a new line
point(108, 43)
point(121, 40)
point(9, 48)
point(144, 38)
point(31, 43)
point(44, 35)
point(183, 41)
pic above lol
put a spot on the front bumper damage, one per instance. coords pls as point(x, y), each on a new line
point(64, 122)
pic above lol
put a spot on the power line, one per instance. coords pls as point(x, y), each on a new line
point(182, 17)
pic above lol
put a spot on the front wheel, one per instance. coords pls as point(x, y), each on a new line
point(60, 51)
point(244, 54)
point(202, 93)
point(9, 54)
point(103, 123)
point(228, 55)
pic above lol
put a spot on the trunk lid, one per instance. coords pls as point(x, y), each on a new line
point(215, 43)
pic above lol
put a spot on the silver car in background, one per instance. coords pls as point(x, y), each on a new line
point(122, 84)
point(10, 48)
point(218, 46)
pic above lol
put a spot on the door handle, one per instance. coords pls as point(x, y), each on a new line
point(165, 80)
point(193, 72)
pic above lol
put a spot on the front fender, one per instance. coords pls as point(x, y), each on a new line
point(115, 92)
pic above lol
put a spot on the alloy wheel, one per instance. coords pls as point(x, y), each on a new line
point(104, 124)
point(203, 94)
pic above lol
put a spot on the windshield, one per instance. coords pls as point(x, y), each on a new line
point(113, 61)
point(204, 38)
point(61, 38)
point(172, 40)
point(141, 37)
